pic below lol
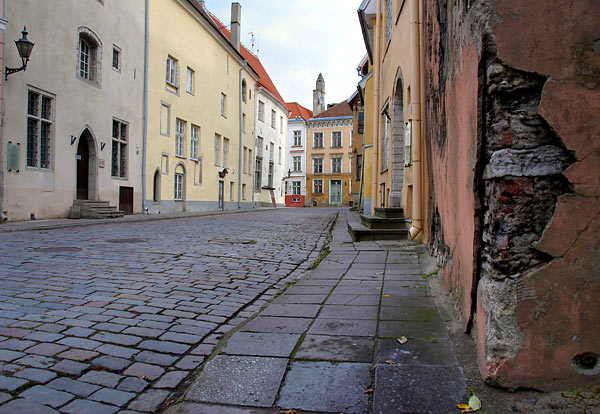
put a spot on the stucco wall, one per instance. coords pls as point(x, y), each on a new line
point(511, 114)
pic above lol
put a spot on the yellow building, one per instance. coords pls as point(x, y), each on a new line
point(392, 38)
point(199, 111)
point(329, 157)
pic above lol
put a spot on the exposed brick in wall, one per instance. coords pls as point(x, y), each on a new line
point(512, 97)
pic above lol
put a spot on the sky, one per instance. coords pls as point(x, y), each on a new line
point(298, 39)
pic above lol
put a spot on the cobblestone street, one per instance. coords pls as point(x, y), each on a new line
point(116, 317)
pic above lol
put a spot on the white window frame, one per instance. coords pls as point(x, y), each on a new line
point(190, 82)
point(118, 53)
point(223, 105)
point(217, 149)
point(296, 188)
point(273, 118)
point(261, 111)
point(225, 151)
point(321, 140)
point(341, 139)
point(120, 148)
point(172, 75)
point(297, 163)
point(319, 163)
point(336, 161)
point(165, 126)
point(38, 153)
point(320, 181)
point(194, 142)
point(180, 128)
point(297, 138)
point(178, 186)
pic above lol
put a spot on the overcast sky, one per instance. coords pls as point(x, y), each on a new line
point(297, 39)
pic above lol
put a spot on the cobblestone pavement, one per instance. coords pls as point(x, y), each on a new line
point(115, 318)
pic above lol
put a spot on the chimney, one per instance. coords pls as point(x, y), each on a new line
point(236, 18)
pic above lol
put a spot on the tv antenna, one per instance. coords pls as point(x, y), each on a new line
point(253, 42)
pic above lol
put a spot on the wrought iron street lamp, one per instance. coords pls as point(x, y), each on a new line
point(24, 46)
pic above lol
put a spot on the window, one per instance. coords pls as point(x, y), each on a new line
point(194, 142)
point(317, 186)
point(116, 58)
point(270, 176)
point(318, 165)
point(119, 149)
point(336, 139)
point(361, 122)
point(243, 122)
point(244, 91)
point(280, 156)
point(179, 138)
point(243, 191)
point(257, 174)
point(295, 187)
point(271, 152)
point(336, 165)
point(40, 110)
point(297, 138)
point(297, 161)
point(190, 81)
point(223, 105)
point(178, 187)
point(172, 72)
point(261, 111)
point(245, 160)
point(165, 119)
point(388, 20)
point(249, 160)
point(164, 163)
point(225, 151)
point(281, 125)
point(259, 146)
point(318, 140)
point(273, 115)
point(217, 149)
point(231, 186)
point(89, 59)
point(408, 144)
point(385, 144)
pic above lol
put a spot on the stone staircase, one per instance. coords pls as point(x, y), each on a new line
point(387, 224)
point(94, 210)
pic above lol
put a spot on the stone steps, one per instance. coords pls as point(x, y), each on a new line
point(96, 209)
point(387, 224)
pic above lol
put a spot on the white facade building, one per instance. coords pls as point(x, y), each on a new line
point(296, 155)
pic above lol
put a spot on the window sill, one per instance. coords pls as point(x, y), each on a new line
point(114, 177)
point(180, 156)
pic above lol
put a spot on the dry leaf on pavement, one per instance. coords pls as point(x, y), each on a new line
point(402, 339)
point(370, 390)
point(390, 362)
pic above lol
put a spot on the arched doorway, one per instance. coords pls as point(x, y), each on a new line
point(156, 186)
point(397, 142)
point(87, 172)
point(179, 188)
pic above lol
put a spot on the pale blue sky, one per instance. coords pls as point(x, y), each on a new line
point(300, 38)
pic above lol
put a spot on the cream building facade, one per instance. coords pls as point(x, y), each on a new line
point(72, 122)
point(200, 112)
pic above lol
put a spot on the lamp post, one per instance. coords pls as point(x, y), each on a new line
point(24, 46)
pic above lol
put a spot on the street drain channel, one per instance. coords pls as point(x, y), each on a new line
point(126, 241)
point(232, 241)
point(56, 249)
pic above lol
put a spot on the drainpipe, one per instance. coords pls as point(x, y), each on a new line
point(145, 138)
point(253, 165)
point(415, 81)
point(362, 174)
point(239, 205)
point(376, 74)
point(2, 147)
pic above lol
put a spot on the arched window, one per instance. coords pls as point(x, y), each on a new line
point(179, 183)
point(244, 91)
point(89, 56)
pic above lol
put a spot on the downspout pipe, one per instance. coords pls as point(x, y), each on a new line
point(146, 74)
point(415, 81)
point(362, 174)
point(3, 216)
point(377, 74)
point(241, 119)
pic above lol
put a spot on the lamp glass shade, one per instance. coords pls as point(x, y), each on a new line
point(24, 46)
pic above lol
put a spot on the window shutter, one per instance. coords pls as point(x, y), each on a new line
point(177, 76)
point(167, 72)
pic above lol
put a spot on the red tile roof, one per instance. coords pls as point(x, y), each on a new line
point(298, 111)
point(337, 110)
point(263, 77)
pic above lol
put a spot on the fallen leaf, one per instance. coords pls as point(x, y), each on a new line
point(370, 390)
point(463, 406)
point(474, 402)
point(288, 412)
point(21, 369)
point(97, 368)
point(385, 296)
point(402, 339)
point(390, 362)
point(372, 367)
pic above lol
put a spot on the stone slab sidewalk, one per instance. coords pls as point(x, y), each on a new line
point(334, 342)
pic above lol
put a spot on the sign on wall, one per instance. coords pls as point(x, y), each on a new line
point(13, 153)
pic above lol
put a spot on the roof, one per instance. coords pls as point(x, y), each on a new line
point(338, 110)
point(263, 77)
point(298, 111)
